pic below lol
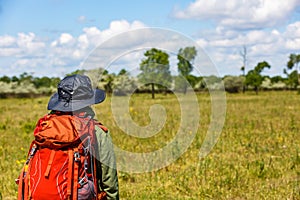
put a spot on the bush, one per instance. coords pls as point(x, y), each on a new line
point(233, 84)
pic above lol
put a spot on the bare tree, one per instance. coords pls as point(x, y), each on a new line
point(243, 68)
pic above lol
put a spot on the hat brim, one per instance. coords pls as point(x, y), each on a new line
point(56, 104)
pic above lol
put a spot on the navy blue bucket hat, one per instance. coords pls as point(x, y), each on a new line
point(74, 93)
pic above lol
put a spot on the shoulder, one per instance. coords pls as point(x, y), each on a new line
point(99, 127)
point(103, 137)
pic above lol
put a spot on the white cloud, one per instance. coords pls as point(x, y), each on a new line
point(7, 40)
point(67, 52)
point(239, 14)
point(22, 45)
point(119, 26)
point(64, 39)
point(202, 42)
point(82, 19)
point(83, 41)
point(272, 45)
point(293, 30)
point(6, 52)
point(293, 45)
point(30, 44)
point(91, 34)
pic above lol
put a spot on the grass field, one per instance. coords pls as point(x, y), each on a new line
point(257, 155)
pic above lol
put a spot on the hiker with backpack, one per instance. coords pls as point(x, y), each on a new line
point(72, 155)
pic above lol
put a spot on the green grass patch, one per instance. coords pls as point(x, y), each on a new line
point(257, 156)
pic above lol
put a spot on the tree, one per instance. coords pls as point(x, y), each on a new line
point(254, 77)
point(185, 58)
point(292, 80)
point(42, 82)
point(155, 69)
point(277, 79)
point(180, 83)
point(78, 71)
point(15, 79)
point(122, 72)
point(5, 79)
point(293, 63)
point(243, 68)
point(26, 78)
point(123, 83)
point(55, 81)
point(244, 56)
point(106, 80)
point(45, 82)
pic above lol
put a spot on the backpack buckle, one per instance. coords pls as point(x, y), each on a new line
point(76, 156)
point(82, 181)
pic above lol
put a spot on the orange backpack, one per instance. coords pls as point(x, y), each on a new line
point(61, 162)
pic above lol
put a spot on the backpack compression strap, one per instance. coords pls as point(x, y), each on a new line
point(23, 180)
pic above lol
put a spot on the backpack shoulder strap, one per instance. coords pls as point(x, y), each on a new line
point(100, 125)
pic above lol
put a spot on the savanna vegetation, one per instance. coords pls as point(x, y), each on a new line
point(155, 77)
point(257, 155)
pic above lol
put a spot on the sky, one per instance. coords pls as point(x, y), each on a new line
point(55, 37)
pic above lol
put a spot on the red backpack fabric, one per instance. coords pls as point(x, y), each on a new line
point(61, 161)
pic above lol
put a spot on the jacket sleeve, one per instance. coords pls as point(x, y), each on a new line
point(106, 168)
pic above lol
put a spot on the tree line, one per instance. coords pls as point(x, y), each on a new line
point(156, 77)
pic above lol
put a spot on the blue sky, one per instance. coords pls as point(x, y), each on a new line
point(63, 16)
point(53, 37)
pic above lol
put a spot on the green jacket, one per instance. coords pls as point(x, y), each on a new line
point(106, 168)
